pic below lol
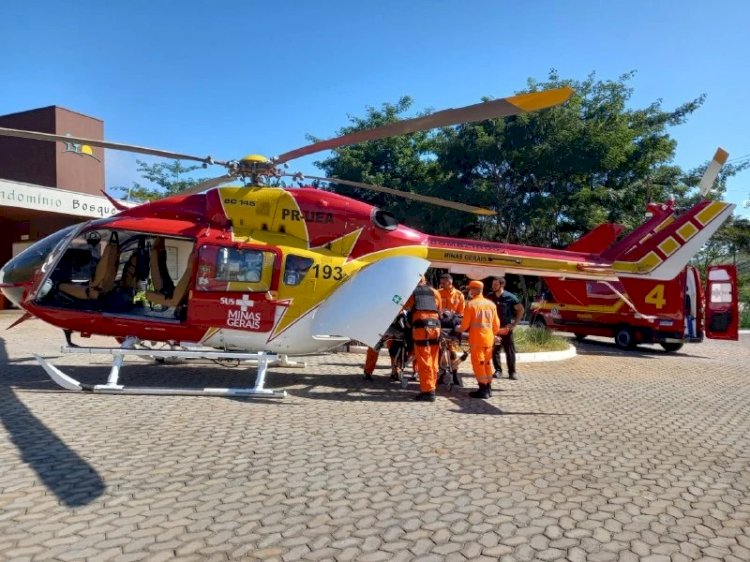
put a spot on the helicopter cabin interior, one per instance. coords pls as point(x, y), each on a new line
point(122, 272)
point(144, 275)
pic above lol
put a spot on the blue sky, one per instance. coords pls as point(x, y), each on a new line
point(230, 78)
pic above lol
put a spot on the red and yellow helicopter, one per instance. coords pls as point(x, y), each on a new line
point(252, 271)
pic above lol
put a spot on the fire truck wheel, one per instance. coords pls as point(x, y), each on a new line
point(671, 347)
point(538, 322)
point(580, 337)
point(624, 338)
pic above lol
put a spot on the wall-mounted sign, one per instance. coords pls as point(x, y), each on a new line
point(54, 200)
point(80, 149)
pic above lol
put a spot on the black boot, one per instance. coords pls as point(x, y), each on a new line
point(481, 393)
point(489, 389)
point(425, 397)
point(457, 380)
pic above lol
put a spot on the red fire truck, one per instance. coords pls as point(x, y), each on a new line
point(634, 311)
point(671, 313)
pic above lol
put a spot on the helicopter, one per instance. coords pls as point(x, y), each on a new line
point(254, 272)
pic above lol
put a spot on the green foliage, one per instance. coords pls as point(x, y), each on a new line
point(404, 162)
point(552, 175)
point(170, 177)
point(531, 339)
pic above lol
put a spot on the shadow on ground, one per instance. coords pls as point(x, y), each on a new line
point(73, 481)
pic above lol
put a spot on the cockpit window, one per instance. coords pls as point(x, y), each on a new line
point(296, 268)
point(234, 269)
point(233, 264)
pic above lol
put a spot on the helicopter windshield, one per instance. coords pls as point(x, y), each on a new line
point(22, 267)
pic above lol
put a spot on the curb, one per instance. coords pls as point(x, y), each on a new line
point(538, 357)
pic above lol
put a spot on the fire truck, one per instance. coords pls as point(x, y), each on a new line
point(635, 311)
point(670, 314)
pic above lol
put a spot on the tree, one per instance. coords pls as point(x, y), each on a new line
point(171, 177)
point(553, 175)
point(403, 162)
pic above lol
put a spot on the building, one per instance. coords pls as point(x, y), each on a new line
point(46, 186)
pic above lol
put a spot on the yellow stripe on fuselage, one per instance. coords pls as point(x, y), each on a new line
point(669, 246)
point(710, 212)
point(600, 308)
point(687, 231)
point(647, 263)
point(536, 264)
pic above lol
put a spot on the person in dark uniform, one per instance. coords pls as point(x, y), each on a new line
point(510, 310)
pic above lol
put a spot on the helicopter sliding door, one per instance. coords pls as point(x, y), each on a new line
point(233, 288)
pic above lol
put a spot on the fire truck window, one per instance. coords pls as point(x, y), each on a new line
point(296, 268)
point(721, 292)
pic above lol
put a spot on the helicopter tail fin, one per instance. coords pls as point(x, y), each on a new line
point(663, 252)
point(598, 240)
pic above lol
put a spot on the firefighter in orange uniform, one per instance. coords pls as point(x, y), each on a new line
point(482, 323)
point(371, 360)
point(423, 305)
point(452, 300)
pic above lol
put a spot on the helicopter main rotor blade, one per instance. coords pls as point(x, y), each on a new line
point(713, 169)
point(206, 184)
point(408, 195)
point(35, 135)
point(504, 107)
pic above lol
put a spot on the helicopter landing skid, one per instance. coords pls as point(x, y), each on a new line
point(113, 387)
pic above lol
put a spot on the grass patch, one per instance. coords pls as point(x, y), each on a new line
point(531, 340)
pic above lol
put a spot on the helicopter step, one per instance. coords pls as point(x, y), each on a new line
point(128, 348)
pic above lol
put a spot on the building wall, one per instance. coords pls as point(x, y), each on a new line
point(69, 166)
point(28, 160)
point(79, 167)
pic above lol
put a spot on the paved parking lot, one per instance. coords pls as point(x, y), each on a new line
point(608, 456)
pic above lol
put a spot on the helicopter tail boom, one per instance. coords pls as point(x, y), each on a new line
point(659, 253)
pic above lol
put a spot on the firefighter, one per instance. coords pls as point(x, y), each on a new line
point(423, 306)
point(450, 298)
point(451, 301)
point(371, 359)
point(482, 323)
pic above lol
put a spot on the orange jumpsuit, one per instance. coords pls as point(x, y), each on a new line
point(453, 300)
point(370, 360)
point(426, 335)
point(482, 322)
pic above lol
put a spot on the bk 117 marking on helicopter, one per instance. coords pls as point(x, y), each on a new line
point(264, 270)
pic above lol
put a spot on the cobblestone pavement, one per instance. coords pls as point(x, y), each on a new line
point(608, 456)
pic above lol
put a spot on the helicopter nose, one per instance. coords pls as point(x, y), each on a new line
point(17, 275)
point(14, 280)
